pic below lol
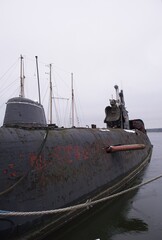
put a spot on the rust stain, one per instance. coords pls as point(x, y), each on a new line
point(13, 174)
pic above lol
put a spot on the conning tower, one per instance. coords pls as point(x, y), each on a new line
point(22, 111)
point(116, 113)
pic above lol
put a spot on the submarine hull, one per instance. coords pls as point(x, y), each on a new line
point(46, 169)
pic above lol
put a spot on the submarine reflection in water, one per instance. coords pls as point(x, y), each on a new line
point(105, 223)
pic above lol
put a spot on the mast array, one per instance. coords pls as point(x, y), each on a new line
point(22, 77)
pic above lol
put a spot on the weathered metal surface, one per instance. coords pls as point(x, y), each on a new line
point(49, 169)
point(43, 167)
point(22, 111)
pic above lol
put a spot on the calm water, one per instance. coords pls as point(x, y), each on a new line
point(137, 215)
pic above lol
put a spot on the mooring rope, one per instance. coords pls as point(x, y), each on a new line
point(88, 203)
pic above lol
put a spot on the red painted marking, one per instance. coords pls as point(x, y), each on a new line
point(11, 165)
point(77, 154)
point(32, 158)
point(38, 162)
point(61, 154)
point(68, 153)
point(85, 154)
point(56, 152)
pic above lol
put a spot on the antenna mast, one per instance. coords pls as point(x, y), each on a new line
point(36, 57)
point(72, 99)
point(50, 94)
point(22, 77)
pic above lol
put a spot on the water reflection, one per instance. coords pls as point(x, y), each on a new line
point(133, 225)
point(107, 222)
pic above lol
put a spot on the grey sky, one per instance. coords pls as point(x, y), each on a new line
point(103, 42)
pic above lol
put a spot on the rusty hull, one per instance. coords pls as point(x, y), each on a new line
point(42, 169)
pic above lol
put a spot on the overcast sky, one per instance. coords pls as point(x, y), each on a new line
point(103, 42)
